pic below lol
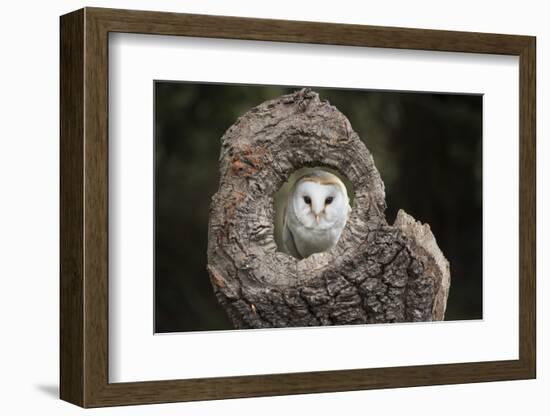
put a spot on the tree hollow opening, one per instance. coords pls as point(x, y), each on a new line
point(280, 199)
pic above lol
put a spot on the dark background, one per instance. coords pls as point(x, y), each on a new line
point(427, 147)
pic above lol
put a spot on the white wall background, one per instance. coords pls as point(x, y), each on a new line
point(30, 192)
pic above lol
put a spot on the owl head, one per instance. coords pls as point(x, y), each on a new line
point(320, 200)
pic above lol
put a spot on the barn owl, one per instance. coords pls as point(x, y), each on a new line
point(315, 214)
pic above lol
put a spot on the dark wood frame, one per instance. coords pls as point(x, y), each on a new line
point(84, 213)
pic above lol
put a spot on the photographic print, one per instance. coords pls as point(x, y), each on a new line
point(291, 206)
point(350, 202)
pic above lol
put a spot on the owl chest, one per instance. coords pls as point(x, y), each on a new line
point(310, 241)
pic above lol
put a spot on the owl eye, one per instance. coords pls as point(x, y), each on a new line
point(307, 200)
point(329, 200)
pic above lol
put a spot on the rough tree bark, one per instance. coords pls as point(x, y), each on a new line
point(376, 273)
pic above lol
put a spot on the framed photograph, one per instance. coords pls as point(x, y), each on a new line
point(255, 207)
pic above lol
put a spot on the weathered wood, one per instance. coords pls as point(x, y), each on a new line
point(376, 273)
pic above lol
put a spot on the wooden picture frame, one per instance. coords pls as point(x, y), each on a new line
point(84, 207)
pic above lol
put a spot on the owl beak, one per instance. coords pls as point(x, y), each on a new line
point(317, 218)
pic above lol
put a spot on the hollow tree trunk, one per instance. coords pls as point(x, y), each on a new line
point(376, 273)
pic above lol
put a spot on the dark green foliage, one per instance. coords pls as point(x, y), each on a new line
point(427, 148)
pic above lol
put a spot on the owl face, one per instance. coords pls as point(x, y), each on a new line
point(320, 204)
